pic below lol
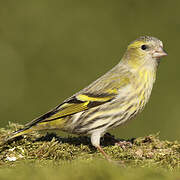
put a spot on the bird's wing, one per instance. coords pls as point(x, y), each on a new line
point(97, 93)
point(73, 105)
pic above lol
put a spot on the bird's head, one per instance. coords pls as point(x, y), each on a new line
point(144, 51)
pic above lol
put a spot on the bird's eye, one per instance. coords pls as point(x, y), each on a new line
point(144, 47)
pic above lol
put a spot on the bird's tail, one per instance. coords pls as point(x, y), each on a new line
point(56, 124)
point(37, 125)
point(19, 132)
point(15, 134)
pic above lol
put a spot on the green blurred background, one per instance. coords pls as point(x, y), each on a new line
point(51, 49)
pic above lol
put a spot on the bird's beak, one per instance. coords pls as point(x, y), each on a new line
point(158, 53)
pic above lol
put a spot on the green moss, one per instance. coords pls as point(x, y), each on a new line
point(34, 148)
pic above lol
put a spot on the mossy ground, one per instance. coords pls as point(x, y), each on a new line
point(52, 155)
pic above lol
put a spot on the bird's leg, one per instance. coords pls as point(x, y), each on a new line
point(102, 151)
point(95, 140)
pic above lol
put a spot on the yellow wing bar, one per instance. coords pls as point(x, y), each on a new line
point(79, 103)
point(83, 97)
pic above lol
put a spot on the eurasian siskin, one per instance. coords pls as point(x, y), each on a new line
point(109, 101)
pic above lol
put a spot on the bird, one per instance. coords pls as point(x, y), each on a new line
point(111, 100)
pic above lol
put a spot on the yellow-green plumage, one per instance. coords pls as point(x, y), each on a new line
point(109, 101)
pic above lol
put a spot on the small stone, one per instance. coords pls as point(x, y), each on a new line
point(11, 158)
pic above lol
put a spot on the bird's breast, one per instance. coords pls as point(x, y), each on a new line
point(143, 85)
